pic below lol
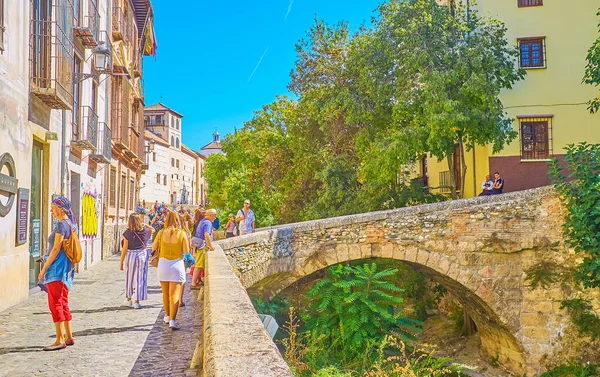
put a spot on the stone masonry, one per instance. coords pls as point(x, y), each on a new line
point(478, 248)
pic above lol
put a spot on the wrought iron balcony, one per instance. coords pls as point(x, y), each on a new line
point(51, 60)
point(155, 122)
point(137, 62)
point(118, 24)
point(104, 153)
point(133, 149)
point(85, 134)
point(86, 28)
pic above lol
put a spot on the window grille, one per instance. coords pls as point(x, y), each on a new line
point(113, 187)
point(530, 3)
point(532, 52)
point(123, 192)
point(536, 139)
point(445, 182)
point(131, 193)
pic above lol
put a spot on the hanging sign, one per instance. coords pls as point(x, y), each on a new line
point(8, 183)
point(22, 215)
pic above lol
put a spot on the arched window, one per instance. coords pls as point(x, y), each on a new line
point(177, 123)
point(177, 143)
point(172, 141)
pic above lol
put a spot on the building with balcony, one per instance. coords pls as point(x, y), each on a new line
point(181, 176)
point(59, 60)
point(154, 184)
point(548, 107)
point(131, 36)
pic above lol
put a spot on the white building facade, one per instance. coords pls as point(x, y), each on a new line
point(154, 183)
point(179, 176)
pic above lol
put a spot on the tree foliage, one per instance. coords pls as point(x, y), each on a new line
point(592, 70)
point(421, 80)
point(578, 183)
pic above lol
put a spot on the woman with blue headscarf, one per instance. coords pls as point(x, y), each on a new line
point(57, 273)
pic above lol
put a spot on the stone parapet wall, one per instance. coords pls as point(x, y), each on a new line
point(235, 341)
point(112, 234)
point(478, 248)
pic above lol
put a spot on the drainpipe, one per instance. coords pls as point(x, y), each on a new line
point(63, 160)
point(105, 185)
point(474, 173)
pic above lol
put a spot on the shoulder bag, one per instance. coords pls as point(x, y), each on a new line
point(156, 253)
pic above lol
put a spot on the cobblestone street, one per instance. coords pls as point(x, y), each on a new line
point(111, 340)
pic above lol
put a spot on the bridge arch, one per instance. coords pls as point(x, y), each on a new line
point(478, 248)
point(470, 289)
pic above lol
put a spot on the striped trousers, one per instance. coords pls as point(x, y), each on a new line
point(136, 281)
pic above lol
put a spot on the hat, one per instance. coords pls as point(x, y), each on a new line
point(211, 211)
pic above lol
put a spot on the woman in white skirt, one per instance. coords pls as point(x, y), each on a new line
point(171, 243)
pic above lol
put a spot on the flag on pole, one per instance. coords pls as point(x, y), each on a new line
point(150, 46)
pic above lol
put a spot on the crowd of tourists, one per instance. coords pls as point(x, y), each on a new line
point(178, 239)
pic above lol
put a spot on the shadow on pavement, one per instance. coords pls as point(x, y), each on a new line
point(7, 350)
point(169, 352)
point(111, 330)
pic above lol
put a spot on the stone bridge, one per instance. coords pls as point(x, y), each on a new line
point(479, 249)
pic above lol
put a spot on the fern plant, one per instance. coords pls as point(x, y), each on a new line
point(355, 307)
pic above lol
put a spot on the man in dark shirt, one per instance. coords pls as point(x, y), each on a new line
point(498, 184)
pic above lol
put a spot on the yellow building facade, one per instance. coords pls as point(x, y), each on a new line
point(549, 106)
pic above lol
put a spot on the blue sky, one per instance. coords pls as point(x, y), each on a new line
point(208, 51)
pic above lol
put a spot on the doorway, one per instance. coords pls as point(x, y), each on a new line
point(37, 215)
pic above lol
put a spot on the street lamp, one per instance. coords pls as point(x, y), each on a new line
point(101, 55)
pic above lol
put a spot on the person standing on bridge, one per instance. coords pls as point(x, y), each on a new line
point(58, 272)
point(245, 217)
point(171, 243)
point(134, 260)
point(203, 235)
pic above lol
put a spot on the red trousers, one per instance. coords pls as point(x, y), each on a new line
point(58, 301)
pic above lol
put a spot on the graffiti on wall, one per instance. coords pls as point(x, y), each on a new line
point(90, 215)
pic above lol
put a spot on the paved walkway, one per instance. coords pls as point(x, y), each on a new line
point(111, 340)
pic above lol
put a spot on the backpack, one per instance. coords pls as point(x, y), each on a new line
point(72, 247)
point(216, 223)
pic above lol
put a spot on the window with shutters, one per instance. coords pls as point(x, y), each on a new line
point(158, 178)
point(112, 200)
point(122, 195)
point(131, 193)
point(532, 52)
point(530, 3)
point(165, 179)
point(535, 138)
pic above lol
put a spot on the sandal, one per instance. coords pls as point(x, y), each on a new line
point(70, 342)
